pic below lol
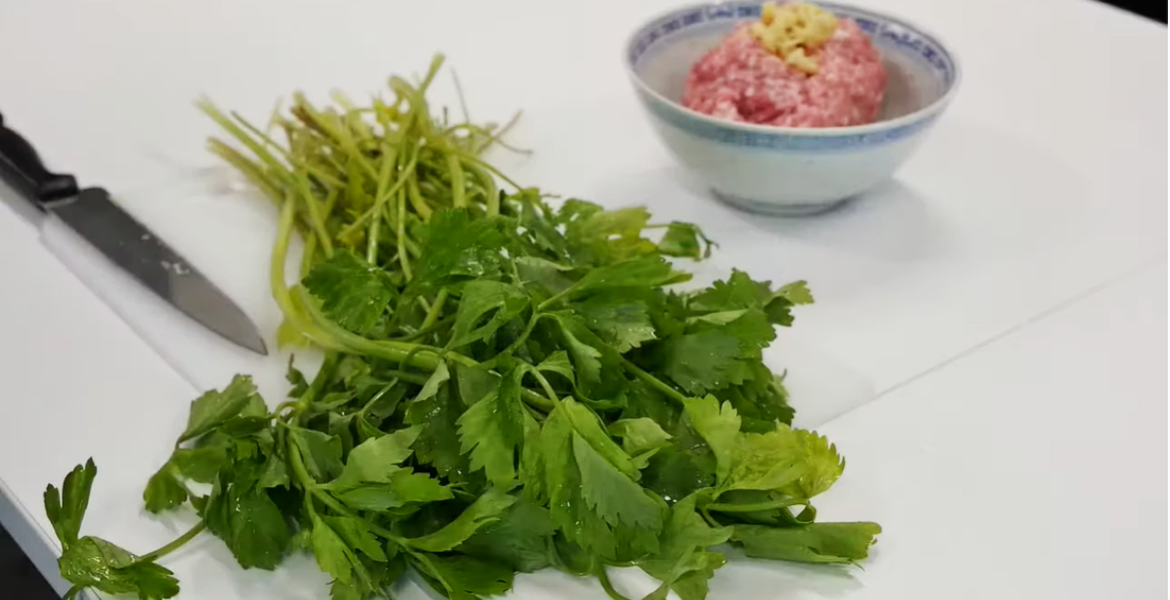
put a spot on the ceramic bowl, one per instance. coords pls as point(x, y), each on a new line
point(789, 170)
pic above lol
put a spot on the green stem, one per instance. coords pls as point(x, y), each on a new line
point(372, 240)
point(302, 475)
point(378, 396)
point(536, 400)
point(415, 378)
point(416, 199)
point(709, 519)
point(753, 507)
point(381, 200)
point(424, 357)
point(283, 405)
point(458, 184)
point(435, 311)
point(307, 255)
point(655, 382)
point(174, 545)
point(264, 137)
point(403, 259)
point(418, 335)
point(244, 138)
point(607, 585)
point(307, 483)
point(250, 169)
point(436, 64)
point(523, 335)
point(490, 169)
point(490, 192)
point(314, 119)
point(548, 390)
point(543, 305)
point(280, 293)
point(319, 382)
point(316, 220)
point(459, 94)
point(415, 355)
point(495, 137)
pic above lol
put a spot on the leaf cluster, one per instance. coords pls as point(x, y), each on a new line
point(508, 386)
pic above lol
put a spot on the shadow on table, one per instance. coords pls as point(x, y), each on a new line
point(896, 227)
point(744, 577)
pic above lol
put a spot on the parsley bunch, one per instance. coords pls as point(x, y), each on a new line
point(507, 387)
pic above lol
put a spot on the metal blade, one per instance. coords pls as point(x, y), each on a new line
point(94, 216)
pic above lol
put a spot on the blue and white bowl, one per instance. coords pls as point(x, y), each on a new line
point(789, 170)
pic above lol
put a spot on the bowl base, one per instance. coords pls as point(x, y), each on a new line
point(778, 210)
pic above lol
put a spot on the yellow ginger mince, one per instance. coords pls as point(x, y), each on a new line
point(794, 31)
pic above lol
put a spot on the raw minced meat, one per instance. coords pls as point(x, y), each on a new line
point(742, 81)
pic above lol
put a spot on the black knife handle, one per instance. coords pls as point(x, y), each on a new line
point(21, 167)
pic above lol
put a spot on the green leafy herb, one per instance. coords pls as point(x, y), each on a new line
point(685, 562)
point(507, 386)
point(622, 321)
point(492, 429)
point(685, 240)
point(814, 543)
point(90, 562)
point(215, 408)
point(485, 307)
point(485, 510)
point(353, 293)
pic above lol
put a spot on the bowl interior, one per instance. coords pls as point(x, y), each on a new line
point(920, 69)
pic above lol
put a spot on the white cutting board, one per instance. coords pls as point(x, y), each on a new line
point(226, 231)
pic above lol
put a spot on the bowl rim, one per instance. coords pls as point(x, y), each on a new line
point(926, 111)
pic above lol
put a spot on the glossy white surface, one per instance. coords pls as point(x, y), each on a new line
point(1040, 186)
point(1033, 468)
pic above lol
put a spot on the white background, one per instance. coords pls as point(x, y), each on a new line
point(1000, 302)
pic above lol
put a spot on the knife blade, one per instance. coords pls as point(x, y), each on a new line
point(93, 215)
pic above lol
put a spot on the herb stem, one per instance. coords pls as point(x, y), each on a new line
point(316, 220)
point(753, 507)
point(435, 311)
point(298, 465)
point(318, 384)
point(174, 545)
point(548, 390)
point(376, 397)
point(282, 406)
point(655, 382)
point(372, 239)
point(458, 184)
point(523, 335)
point(710, 520)
point(307, 254)
point(536, 400)
point(380, 201)
point(607, 585)
point(416, 200)
point(415, 355)
point(418, 335)
point(280, 291)
point(553, 300)
point(403, 259)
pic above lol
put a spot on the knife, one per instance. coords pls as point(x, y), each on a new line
point(113, 232)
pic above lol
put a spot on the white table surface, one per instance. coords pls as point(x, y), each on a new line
point(1002, 298)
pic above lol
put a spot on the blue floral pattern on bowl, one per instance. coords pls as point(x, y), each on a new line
point(884, 30)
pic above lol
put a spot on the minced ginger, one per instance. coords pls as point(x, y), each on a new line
point(793, 31)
